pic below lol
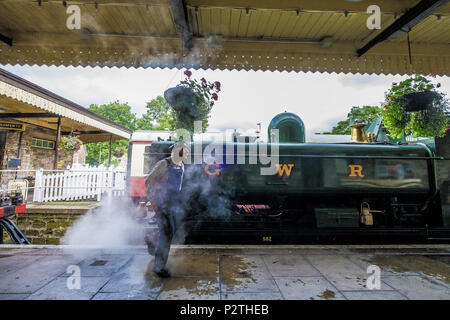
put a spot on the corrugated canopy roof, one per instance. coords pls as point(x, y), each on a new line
point(226, 34)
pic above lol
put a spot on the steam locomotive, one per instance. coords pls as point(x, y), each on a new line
point(369, 188)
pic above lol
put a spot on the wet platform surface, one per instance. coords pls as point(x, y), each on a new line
point(229, 272)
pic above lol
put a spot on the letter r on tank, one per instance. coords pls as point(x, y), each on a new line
point(355, 170)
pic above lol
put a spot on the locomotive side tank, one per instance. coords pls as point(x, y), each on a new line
point(313, 169)
point(322, 186)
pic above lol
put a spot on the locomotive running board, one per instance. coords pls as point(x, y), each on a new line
point(14, 232)
point(318, 236)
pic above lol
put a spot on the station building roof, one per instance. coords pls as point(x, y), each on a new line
point(29, 103)
point(282, 35)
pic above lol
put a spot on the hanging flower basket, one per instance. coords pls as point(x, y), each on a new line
point(414, 107)
point(192, 100)
point(119, 152)
point(419, 101)
point(182, 99)
point(70, 144)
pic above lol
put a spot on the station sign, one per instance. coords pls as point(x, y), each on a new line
point(12, 126)
point(14, 163)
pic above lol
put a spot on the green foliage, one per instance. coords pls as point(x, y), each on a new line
point(117, 112)
point(159, 116)
point(432, 123)
point(426, 123)
point(342, 127)
point(365, 114)
point(191, 101)
point(98, 153)
point(206, 93)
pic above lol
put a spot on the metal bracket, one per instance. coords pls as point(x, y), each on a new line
point(7, 40)
point(14, 232)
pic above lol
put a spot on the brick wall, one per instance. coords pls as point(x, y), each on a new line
point(43, 228)
point(32, 158)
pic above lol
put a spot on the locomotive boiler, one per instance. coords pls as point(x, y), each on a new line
point(287, 190)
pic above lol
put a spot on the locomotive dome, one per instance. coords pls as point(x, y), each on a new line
point(290, 126)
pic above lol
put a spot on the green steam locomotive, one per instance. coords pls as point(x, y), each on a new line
point(287, 191)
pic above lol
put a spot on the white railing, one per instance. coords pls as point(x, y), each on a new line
point(78, 183)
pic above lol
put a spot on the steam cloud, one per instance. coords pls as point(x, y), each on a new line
point(113, 225)
point(116, 223)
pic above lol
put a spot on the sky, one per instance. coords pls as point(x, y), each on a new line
point(247, 97)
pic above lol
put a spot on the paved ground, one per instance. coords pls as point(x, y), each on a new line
point(228, 272)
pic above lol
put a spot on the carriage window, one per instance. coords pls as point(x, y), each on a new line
point(147, 160)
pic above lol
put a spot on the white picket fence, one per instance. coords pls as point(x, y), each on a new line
point(78, 183)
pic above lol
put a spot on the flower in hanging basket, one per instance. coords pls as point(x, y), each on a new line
point(70, 144)
point(415, 107)
point(119, 152)
point(192, 100)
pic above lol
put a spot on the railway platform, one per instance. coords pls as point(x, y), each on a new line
point(304, 272)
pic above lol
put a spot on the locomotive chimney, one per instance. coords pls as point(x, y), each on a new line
point(358, 133)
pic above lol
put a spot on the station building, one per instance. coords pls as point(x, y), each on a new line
point(32, 121)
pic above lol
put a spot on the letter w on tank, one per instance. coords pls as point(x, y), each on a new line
point(285, 169)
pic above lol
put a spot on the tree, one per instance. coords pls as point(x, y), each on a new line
point(365, 114)
point(342, 127)
point(98, 153)
point(117, 112)
point(159, 116)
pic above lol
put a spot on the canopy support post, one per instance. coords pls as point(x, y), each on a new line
point(58, 140)
point(110, 150)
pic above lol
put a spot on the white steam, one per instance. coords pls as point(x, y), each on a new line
point(113, 225)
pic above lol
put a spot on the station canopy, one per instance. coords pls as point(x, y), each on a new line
point(284, 35)
point(26, 102)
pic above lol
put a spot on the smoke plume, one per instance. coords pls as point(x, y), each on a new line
point(114, 224)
